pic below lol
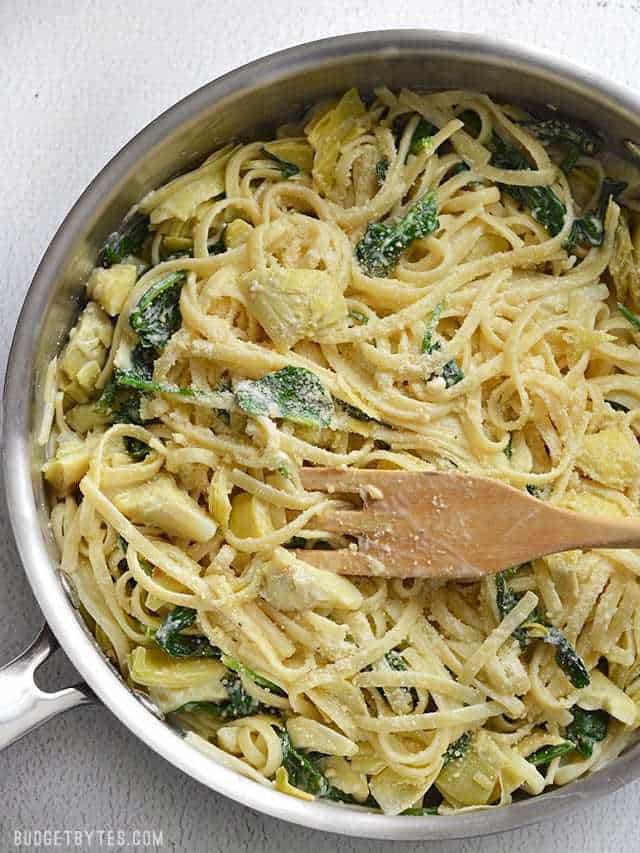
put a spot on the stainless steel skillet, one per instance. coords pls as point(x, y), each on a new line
point(241, 104)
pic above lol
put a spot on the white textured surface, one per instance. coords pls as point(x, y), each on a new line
point(76, 81)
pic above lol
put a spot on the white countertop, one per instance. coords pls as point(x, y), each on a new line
point(77, 80)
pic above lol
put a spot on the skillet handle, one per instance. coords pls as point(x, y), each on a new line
point(23, 706)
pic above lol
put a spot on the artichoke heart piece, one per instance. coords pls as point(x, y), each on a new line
point(300, 586)
point(250, 518)
point(184, 203)
point(154, 668)
point(282, 784)
point(85, 417)
point(469, 780)
point(292, 304)
point(170, 699)
point(329, 131)
point(111, 287)
point(394, 793)
point(69, 465)
point(296, 151)
point(624, 265)
point(160, 503)
point(179, 199)
point(86, 353)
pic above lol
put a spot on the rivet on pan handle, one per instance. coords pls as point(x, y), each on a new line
point(23, 706)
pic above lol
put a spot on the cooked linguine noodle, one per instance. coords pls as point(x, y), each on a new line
point(427, 281)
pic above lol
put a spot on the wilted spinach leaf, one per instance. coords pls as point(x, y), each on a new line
point(125, 242)
point(545, 206)
point(587, 728)
point(293, 393)
point(157, 314)
point(383, 242)
point(171, 641)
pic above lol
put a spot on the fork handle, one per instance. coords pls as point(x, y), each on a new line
point(562, 530)
point(452, 526)
point(547, 530)
point(550, 531)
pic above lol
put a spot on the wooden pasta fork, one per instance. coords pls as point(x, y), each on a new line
point(452, 526)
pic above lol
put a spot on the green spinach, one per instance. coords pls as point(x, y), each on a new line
point(429, 344)
point(422, 136)
point(382, 167)
point(570, 159)
point(137, 450)
point(471, 121)
point(157, 314)
point(303, 773)
point(508, 450)
point(545, 206)
point(451, 373)
point(610, 189)
point(125, 242)
point(534, 628)
point(132, 379)
point(292, 393)
point(383, 242)
point(546, 754)
point(123, 394)
point(287, 169)
point(397, 663)
point(146, 566)
point(217, 247)
point(457, 169)
point(589, 229)
point(420, 811)
point(358, 317)
point(617, 407)
point(120, 400)
point(566, 656)
point(457, 749)
point(630, 316)
point(586, 231)
point(169, 638)
point(260, 680)
point(238, 704)
point(586, 729)
point(506, 600)
point(561, 132)
point(355, 413)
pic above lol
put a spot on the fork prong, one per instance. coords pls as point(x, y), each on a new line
point(344, 561)
point(343, 479)
point(348, 521)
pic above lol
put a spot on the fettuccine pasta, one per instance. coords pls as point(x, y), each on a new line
point(415, 282)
